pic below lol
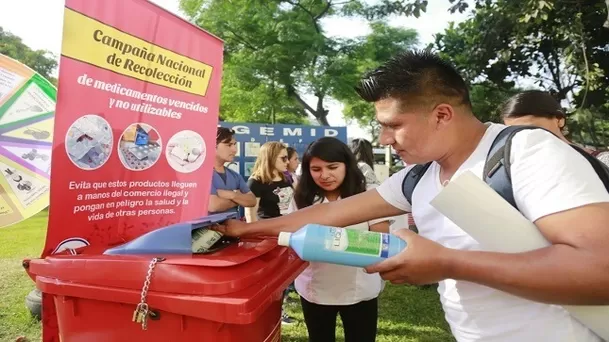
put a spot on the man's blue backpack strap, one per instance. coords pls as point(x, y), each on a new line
point(412, 178)
point(497, 167)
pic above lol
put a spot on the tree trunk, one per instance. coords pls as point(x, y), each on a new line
point(322, 117)
point(320, 113)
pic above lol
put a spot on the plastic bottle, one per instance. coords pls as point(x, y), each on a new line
point(349, 247)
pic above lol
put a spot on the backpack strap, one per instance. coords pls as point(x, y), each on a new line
point(412, 178)
point(599, 167)
point(497, 167)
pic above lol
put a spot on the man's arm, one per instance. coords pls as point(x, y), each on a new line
point(245, 197)
point(573, 271)
point(245, 200)
point(238, 198)
point(362, 207)
point(218, 204)
point(556, 188)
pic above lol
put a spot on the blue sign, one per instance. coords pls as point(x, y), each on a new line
point(251, 136)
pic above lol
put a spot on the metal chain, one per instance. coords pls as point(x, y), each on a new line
point(144, 294)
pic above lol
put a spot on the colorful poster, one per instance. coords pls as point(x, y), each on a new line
point(27, 109)
point(137, 110)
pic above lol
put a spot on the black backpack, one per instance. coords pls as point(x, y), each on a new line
point(497, 167)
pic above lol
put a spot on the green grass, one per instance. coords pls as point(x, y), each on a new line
point(17, 242)
point(409, 313)
point(406, 313)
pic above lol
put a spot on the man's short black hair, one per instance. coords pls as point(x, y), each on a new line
point(417, 78)
point(224, 135)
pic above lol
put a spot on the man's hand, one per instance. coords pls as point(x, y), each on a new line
point(235, 228)
point(227, 194)
point(422, 262)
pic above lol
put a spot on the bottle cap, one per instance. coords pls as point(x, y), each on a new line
point(284, 239)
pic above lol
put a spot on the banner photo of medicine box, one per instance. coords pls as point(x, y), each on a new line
point(251, 136)
point(134, 135)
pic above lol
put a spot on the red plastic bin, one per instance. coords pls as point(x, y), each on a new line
point(234, 294)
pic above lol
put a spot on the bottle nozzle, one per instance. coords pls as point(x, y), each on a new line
point(284, 239)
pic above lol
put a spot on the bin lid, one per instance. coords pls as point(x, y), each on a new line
point(229, 270)
point(174, 239)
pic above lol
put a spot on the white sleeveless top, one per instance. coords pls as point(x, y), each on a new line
point(328, 284)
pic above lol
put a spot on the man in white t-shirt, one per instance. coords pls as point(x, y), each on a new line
point(423, 107)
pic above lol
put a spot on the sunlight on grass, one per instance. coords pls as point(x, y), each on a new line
point(406, 313)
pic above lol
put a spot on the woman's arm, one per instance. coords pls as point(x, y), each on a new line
point(381, 227)
point(251, 213)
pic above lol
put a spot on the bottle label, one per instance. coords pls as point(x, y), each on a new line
point(358, 242)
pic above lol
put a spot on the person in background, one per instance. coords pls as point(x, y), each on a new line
point(541, 109)
point(329, 173)
point(268, 183)
point(272, 190)
point(292, 177)
point(228, 188)
point(293, 163)
point(362, 149)
point(364, 154)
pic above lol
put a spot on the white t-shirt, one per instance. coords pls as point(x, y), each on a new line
point(548, 176)
point(328, 284)
point(603, 157)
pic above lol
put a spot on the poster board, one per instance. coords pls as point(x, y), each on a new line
point(27, 110)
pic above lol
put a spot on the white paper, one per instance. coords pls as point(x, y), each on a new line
point(234, 166)
point(252, 149)
point(481, 212)
point(8, 82)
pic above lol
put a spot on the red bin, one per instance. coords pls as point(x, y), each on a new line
point(234, 294)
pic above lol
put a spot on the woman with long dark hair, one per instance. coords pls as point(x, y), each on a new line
point(541, 109)
point(329, 173)
point(535, 108)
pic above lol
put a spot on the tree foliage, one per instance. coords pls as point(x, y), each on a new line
point(277, 52)
point(41, 61)
point(556, 45)
point(486, 98)
point(366, 53)
point(553, 43)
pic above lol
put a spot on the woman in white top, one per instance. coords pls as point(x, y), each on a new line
point(329, 173)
